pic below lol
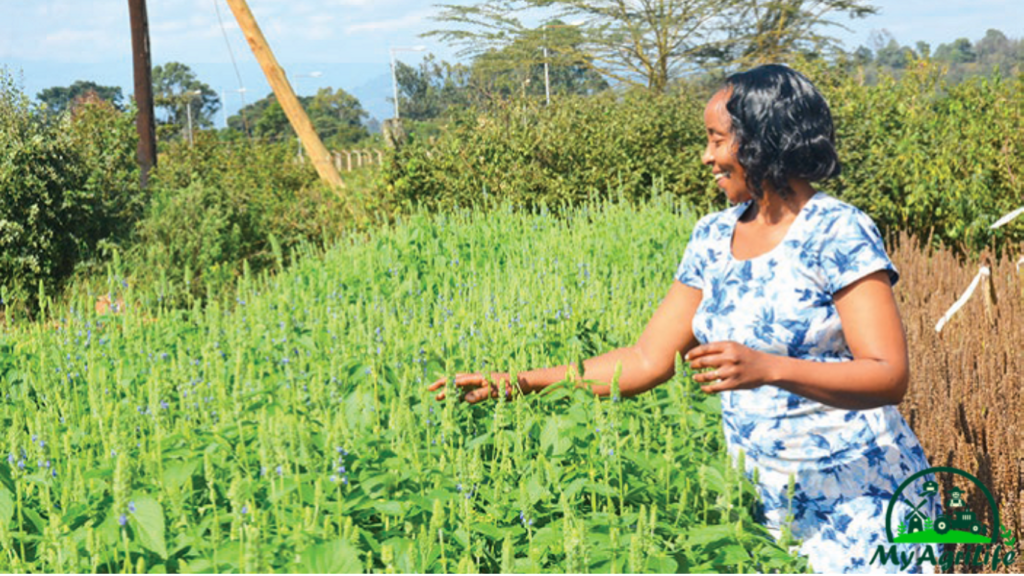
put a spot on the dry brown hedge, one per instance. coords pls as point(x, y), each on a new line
point(966, 397)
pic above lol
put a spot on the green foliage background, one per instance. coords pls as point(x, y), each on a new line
point(921, 155)
point(68, 188)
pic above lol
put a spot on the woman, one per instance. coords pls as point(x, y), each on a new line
point(787, 298)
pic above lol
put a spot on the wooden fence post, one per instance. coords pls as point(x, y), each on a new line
point(989, 289)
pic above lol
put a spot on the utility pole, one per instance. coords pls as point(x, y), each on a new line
point(315, 149)
point(144, 122)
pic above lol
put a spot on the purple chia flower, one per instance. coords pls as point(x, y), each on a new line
point(280, 471)
point(344, 480)
point(245, 509)
point(131, 506)
point(122, 520)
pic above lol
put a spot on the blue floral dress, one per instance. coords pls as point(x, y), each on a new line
point(846, 463)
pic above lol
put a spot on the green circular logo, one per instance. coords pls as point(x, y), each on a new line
point(948, 528)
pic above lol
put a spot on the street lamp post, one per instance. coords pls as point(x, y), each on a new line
point(547, 82)
point(188, 110)
point(394, 77)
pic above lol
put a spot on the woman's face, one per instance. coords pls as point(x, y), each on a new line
point(721, 151)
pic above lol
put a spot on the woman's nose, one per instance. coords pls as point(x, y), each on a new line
point(707, 158)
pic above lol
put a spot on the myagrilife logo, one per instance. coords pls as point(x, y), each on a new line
point(927, 523)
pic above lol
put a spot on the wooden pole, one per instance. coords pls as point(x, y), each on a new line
point(144, 123)
point(315, 149)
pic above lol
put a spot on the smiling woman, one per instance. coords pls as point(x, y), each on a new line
point(787, 298)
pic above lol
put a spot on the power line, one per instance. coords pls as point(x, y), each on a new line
point(241, 86)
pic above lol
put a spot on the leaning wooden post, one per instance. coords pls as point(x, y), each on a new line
point(380, 158)
point(315, 149)
point(348, 160)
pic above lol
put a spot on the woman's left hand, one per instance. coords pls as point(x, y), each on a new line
point(736, 367)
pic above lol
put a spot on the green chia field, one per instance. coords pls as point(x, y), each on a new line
point(286, 427)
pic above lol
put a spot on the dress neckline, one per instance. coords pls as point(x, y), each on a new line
point(737, 213)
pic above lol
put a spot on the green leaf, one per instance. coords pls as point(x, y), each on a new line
point(489, 530)
point(6, 506)
point(733, 554)
point(335, 557)
point(710, 535)
point(147, 523)
point(176, 474)
point(553, 437)
point(391, 507)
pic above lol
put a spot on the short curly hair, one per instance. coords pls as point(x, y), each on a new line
point(783, 127)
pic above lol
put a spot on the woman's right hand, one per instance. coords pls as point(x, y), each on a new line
point(478, 387)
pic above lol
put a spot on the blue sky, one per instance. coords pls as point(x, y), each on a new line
point(55, 42)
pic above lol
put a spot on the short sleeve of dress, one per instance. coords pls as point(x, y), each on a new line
point(691, 269)
point(853, 250)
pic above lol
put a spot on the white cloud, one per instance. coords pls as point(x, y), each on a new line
point(392, 24)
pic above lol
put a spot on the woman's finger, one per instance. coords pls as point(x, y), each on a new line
point(719, 385)
point(460, 379)
point(715, 361)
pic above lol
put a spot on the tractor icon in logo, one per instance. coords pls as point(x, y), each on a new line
point(955, 519)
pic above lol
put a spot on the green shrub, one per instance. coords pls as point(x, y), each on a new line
point(930, 157)
point(577, 148)
point(216, 205)
point(66, 188)
point(918, 154)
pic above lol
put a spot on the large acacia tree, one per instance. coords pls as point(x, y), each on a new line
point(652, 42)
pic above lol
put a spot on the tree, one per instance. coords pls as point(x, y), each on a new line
point(889, 53)
point(652, 42)
point(336, 115)
point(177, 92)
point(772, 31)
point(430, 90)
point(959, 51)
point(994, 42)
point(59, 98)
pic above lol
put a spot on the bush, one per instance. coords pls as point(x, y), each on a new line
point(930, 157)
point(217, 205)
point(577, 148)
point(66, 188)
point(918, 154)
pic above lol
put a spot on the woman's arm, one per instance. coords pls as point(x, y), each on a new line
point(877, 375)
point(646, 364)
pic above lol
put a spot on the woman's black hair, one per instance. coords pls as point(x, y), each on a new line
point(783, 127)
